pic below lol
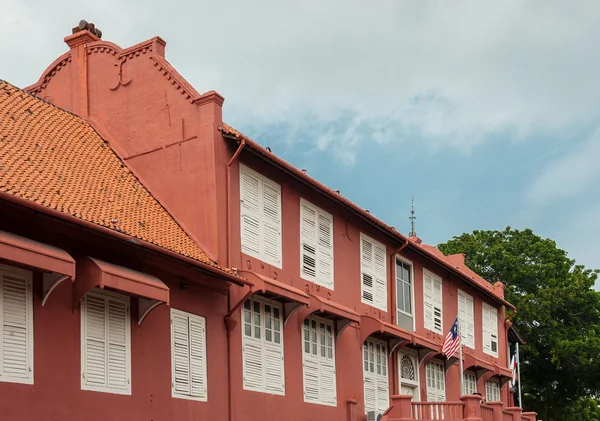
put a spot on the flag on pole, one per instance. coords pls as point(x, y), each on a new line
point(513, 367)
point(452, 341)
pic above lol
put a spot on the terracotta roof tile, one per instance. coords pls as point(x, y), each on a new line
point(56, 159)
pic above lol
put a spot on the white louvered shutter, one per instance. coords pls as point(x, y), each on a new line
point(328, 382)
point(370, 382)
point(485, 320)
point(274, 380)
point(181, 354)
point(252, 352)
point(271, 223)
point(95, 368)
point(383, 394)
point(380, 298)
point(325, 250)
point(16, 313)
point(197, 357)
point(312, 377)
point(368, 290)
point(250, 213)
point(465, 314)
point(308, 227)
point(437, 306)
point(494, 331)
point(106, 336)
point(490, 329)
point(427, 301)
point(118, 359)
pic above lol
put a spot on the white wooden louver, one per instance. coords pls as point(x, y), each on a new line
point(466, 319)
point(106, 340)
point(432, 302)
point(316, 248)
point(188, 347)
point(490, 329)
point(16, 313)
point(260, 213)
point(373, 273)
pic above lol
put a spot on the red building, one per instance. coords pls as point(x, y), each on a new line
point(122, 189)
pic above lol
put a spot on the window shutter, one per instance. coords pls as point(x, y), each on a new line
point(197, 357)
point(250, 214)
point(380, 278)
point(328, 382)
point(383, 394)
point(95, 367)
point(490, 329)
point(253, 364)
point(370, 392)
point(118, 373)
point(16, 323)
point(465, 314)
point(311, 379)
point(325, 237)
point(494, 331)
point(367, 270)
point(437, 306)
point(274, 369)
point(308, 221)
point(470, 315)
point(181, 354)
point(272, 223)
point(427, 301)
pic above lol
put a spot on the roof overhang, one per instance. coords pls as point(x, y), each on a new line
point(292, 298)
point(342, 315)
point(57, 264)
point(480, 367)
point(94, 273)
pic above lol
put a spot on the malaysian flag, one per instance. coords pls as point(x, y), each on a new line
point(513, 367)
point(452, 341)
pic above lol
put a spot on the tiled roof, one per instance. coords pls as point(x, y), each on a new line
point(430, 251)
point(56, 159)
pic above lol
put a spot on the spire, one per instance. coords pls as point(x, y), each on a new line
point(412, 218)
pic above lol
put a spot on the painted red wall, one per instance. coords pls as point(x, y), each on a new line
point(56, 393)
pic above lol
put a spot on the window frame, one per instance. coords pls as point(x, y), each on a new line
point(489, 388)
point(27, 276)
point(437, 363)
point(275, 186)
point(374, 244)
point(493, 310)
point(376, 376)
point(412, 286)
point(114, 296)
point(461, 292)
point(434, 277)
point(318, 357)
point(262, 301)
point(317, 279)
point(202, 320)
point(469, 377)
point(412, 355)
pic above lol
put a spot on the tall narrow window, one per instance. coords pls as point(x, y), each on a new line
point(492, 390)
point(375, 376)
point(404, 287)
point(260, 213)
point(470, 383)
point(106, 343)
point(188, 356)
point(262, 346)
point(16, 322)
point(373, 272)
point(432, 302)
point(490, 329)
point(436, 381)
point(409, 375)
point(466, 319)
point(316, 245)
point(318, 362)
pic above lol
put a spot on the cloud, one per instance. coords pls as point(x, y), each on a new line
point(570, 173)
point(450, 73)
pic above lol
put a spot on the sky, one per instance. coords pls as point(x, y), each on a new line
point(488, 113)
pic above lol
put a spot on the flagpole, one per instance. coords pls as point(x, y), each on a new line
point(519, 375)
point(462, 376)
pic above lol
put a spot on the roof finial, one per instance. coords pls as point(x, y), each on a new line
point(412, 218)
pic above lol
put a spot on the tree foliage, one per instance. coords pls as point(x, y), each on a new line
point(558, 314)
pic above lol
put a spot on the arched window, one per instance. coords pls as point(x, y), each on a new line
point(409, 375)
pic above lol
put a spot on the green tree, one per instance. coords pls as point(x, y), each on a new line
point(558, 314)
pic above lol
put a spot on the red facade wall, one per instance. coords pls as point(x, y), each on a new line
point(56, 393)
